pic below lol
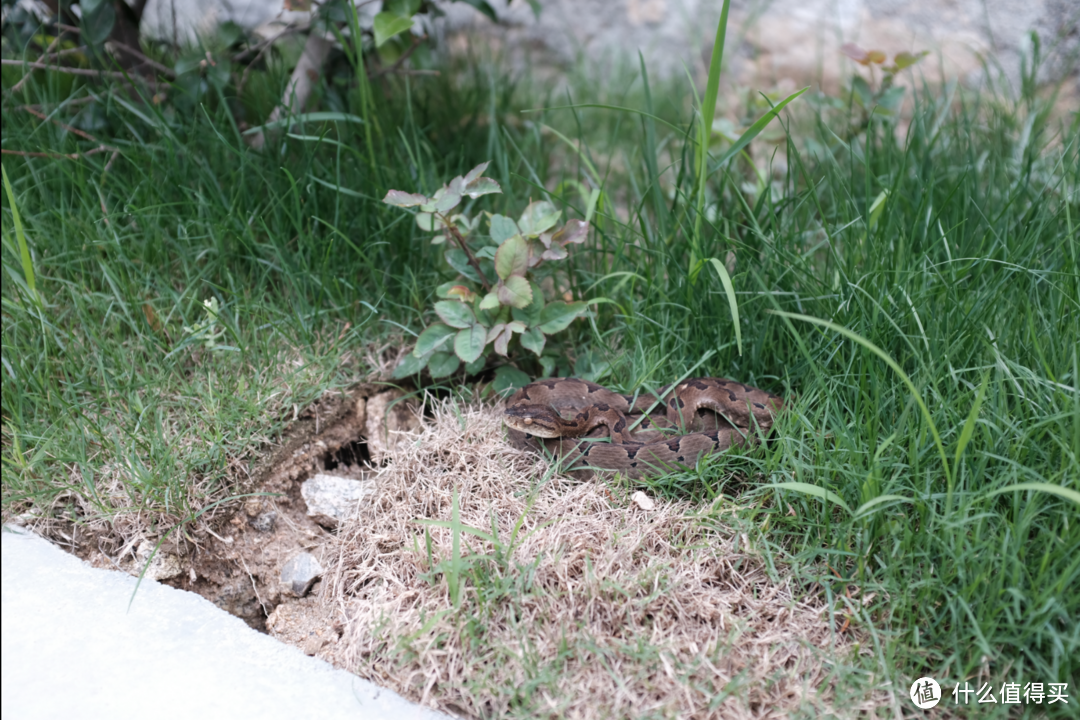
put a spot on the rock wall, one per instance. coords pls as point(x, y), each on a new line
point(768, 40)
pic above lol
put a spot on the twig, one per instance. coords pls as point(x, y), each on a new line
point(80, 133)
point(60, 156)
point(63, 53)
point(468, 254)
point(66, 70)
point(102, 147)
point(24, 78)
point(401, 60)
point(262, 46)
point(163, 69)
point(66, 103)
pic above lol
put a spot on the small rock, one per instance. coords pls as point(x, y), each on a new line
point(314, 643)
point(300, 573)
point(253, 506)
point(163, 565)
point(333, 500)
point(264, 522)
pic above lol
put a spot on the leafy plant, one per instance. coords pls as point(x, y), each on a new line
point(884, 99)
point(498, 302)
point(208, 330)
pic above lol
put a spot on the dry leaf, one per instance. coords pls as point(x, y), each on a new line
point(643, 501)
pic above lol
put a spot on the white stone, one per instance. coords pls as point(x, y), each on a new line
point(332, 500)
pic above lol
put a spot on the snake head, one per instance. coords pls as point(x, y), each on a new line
point(538, 420)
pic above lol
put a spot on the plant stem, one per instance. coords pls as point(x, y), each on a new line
point(468, 253)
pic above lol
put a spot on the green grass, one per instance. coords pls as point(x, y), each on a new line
point(943, 463)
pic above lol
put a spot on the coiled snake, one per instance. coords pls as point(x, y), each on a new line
point(568, 417)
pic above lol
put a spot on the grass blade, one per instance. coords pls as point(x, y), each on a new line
point(870, 504)
point(969, 424)
point(754, 130)
point(20, 238)
point(899, 371)
point(813, 491)
point(729, 290)
point(1058, 490)
point(708, 111)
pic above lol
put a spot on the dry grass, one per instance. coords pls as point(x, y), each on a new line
point(600, 610)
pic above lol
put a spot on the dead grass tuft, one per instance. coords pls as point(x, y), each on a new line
point(599, 610)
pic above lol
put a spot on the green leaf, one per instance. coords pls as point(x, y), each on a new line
point(1058, 490)
point(314, 117)
point(512, 258)
point(558, 315)
point(590, 366)
point(538, 217)
point(514, 291)
point(530, 314)
point(387, 25)
point(409, 366)
point(906, 59)
point(445, 199)
point(97, 22)
point(443, 364)
point(425, 221)
point(877, 207)
point(432, 338)
point(733, 304)
point(574, 231)
point(863, 94)
point(490, 301)
point(400, 198)
point(469, 343)
point(475, 173)
point(509, 378)
point(879, 500)
point(813, 491)
point(969, 424)
point(500, 336)
point(476, 366)
point(484, 7)
point(891, 99)
point(482, 186)
point(547, 365)
point(403, 8)
point(455, 314)
point(20, 239)
point(754, 130)
point(460, 262)
point(502, 228)
point(708, 111)
point(443, 290)
point(534, 340)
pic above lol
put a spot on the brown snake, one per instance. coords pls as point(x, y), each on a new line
point(699, 416)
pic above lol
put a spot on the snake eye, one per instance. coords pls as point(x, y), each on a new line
point(528, 421)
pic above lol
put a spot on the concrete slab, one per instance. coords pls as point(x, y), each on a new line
point(72, 648)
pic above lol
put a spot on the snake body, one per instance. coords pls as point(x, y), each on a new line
point(593, 428)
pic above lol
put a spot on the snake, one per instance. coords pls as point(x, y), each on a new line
point(591, 428)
